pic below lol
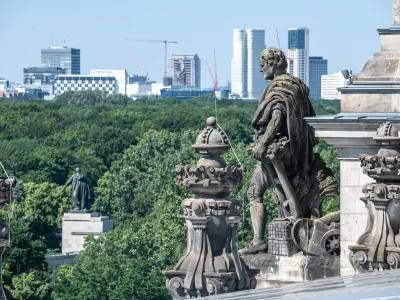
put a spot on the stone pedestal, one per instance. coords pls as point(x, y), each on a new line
point(76, 226)
point(278, 270)
point(58, 259)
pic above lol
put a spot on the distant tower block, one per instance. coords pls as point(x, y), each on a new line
point(396, 12)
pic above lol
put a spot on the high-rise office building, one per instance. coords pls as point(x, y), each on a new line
point(318, 67)
point(42, 75)
point(246, 79)
point(298, 53)
point(62, 57)
point(186, 71)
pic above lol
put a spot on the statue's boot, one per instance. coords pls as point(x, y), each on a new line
point(258, 213)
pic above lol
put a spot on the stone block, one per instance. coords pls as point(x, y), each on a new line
point(345, 264)
point(277, 270)
point(352, 226)
point(351, 174)
point(77, 226)
point(350, 200)
point(365, 102)
point(390, 42)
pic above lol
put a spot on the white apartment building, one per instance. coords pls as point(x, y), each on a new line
point(298, 53)
point(331, 82)
point(246, 79)
point(147, 88)
point(121, 77)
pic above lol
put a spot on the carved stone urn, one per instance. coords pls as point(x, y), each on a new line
point(211, 264)
point(378, 248)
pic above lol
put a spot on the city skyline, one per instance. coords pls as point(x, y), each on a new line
point(105, 47)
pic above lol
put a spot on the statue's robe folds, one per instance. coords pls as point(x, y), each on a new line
point(80, 191)
point(290, 95)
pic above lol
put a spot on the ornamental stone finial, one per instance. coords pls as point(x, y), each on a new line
point(211, 264)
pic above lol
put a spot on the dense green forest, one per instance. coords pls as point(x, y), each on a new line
point(129, 150)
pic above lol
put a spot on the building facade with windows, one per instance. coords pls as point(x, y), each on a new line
point(246, 80)
point(62, 57)
point(65, 83)
point(4, 84)
point(330, 84)
point(318, 67)
point(298, 53)
point(121, 77)
point(186, 71)
point(42, 75)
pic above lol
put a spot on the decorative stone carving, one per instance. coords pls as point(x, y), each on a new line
point(378, 248)
point(211, 264)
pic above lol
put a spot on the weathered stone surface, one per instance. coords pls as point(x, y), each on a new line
point(378, 99)
point(277, 270)
point(377, 285)
point(396, 12)
point(77, 226)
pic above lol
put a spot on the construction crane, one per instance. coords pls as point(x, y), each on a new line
point(211, 74)
point(214, 78)
point(138, 63)
point(165, 42)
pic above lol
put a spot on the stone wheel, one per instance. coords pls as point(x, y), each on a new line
point(301, 233)
point(330, 243)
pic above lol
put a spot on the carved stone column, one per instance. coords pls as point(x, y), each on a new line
point(378, 248)
point(211, 264)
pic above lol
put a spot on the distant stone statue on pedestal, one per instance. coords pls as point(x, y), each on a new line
point(81, 197)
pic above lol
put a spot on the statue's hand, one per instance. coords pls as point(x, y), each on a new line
point(259, 151)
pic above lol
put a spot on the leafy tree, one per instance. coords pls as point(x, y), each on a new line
point(29, 286)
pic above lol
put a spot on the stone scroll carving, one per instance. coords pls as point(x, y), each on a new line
point(378, 248)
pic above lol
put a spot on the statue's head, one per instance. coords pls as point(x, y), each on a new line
point(272, 62)
point(78, 170)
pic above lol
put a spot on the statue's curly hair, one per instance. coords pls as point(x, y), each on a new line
point(274, 57)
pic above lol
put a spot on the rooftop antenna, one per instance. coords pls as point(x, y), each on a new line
point(52, 40)
point(64, 43)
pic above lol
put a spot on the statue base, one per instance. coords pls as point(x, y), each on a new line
point(277, 270)
point(77, 226)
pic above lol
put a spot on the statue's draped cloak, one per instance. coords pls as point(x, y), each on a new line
point(80, 190)
point(291, 93)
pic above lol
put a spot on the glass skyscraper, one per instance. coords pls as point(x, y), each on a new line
point(298, 44)
point(318, 67)
point(62, 57)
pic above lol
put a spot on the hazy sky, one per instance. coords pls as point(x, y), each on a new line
point(343, 31)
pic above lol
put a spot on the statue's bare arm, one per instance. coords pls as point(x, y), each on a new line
point(271, 131)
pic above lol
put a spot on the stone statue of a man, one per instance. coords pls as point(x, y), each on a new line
point(80, 190)
point(283, 145)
